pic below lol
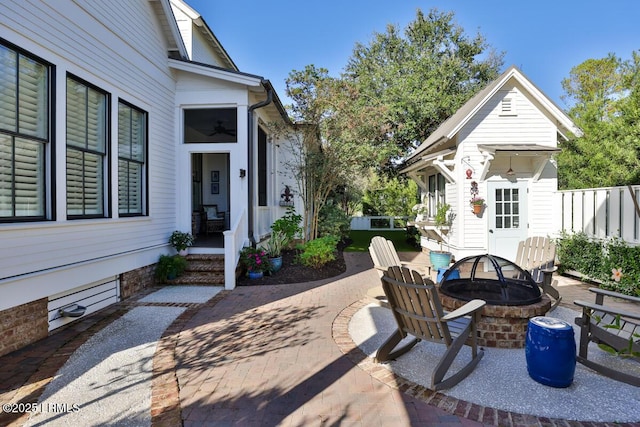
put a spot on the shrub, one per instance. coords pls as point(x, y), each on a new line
point(180, 240)
point(288, 224)
point(316, 253)
point(334, 221)
point(595, 260)
point(170, 267)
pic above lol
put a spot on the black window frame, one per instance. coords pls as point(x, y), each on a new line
point(144, 163)
point(106, 160)
point(47, 143)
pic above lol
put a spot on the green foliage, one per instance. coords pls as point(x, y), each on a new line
point(316, 253)
point(277, 241)
point(170, 267)
point(386, 196)
point(334, 222)
point(419, 76)
point(595, 260)
point(288, 225)
point(180, 240)
point(255, 259)
point(605, 96)
point(444, 217)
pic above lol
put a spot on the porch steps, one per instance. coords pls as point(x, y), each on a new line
point(202, 269)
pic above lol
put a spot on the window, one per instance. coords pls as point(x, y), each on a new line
point(262, 168)
point(132, 143)
point(507, 208)
point(24, 134)
point(436, 193)
point(87, 133)
point(210, 125)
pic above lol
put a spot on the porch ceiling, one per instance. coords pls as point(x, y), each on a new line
point(520, 149)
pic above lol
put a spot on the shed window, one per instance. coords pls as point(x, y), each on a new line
point(436, 193)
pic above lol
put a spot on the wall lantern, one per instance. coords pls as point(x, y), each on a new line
point(243, 173)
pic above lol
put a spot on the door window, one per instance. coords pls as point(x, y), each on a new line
point(507, 205)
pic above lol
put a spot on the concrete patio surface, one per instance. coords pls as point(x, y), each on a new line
point(263, 356)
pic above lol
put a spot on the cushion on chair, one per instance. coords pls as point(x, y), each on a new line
point(212, 212)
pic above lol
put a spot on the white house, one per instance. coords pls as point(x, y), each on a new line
point(119, 122)
point(498, 146)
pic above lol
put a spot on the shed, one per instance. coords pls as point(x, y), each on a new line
point(498, 146)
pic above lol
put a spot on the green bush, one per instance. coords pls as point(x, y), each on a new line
point(170, 267)
point(288, 224)
point(595, 260)
point(334, 221)
point(316, 253)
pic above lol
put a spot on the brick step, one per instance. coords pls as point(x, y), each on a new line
point(205, 266)
point(199, 278)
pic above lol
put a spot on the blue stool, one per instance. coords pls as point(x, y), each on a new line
point(550, 349)
point(455, 274)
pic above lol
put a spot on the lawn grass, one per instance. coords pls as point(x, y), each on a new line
point(360, 240)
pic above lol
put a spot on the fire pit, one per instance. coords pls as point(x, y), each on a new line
point(511, 294)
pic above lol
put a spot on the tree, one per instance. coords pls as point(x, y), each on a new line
point(326, 152)
point(605, 97)
point(420, 78)
point(389, 196)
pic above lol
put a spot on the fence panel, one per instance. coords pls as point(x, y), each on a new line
point(378, 222)
point(601, 212)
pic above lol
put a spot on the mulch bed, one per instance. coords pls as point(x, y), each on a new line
point(293, 272)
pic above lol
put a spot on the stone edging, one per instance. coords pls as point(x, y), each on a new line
point(472, 411)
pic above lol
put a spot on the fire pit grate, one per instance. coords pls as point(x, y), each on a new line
point(491, 278)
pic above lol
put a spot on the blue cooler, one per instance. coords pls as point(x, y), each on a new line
point(551, 351)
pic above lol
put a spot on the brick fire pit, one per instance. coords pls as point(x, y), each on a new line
point(503, 326)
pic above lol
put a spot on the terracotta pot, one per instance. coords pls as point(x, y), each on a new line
point(477, 209)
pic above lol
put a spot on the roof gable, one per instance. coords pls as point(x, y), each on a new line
point(448, 130)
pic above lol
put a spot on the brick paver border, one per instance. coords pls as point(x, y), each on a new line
point(472, 411)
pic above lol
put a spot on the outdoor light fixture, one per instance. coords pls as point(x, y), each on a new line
point(510, 172)
point(243, 173)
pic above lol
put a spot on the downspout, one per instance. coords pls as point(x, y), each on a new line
point(250, 155)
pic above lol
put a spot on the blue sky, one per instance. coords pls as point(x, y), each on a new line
point(544, 38)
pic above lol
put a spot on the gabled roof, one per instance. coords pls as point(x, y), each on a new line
point(453, 124)
point(170, 30)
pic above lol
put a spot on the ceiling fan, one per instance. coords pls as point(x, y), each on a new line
point(219, 129)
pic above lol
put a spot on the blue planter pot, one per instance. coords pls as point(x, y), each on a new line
point(256, 274)
point(276, 263)
point(439, 259)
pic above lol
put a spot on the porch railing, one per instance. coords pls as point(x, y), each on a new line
point(234, 240)
point(601, 212)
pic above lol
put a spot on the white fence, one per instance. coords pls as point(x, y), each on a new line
point(378, 222)
point(601, 212)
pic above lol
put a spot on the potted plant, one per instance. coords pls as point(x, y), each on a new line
point(443, 221)
point(170, 267)
point(276, 242)
point(255, 260)
point(477, 203)
point(181, 241)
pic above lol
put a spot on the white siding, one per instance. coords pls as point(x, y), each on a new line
point(118, 47)
point(488, 126)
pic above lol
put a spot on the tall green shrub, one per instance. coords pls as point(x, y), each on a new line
point(316, 253)
point(595, 260)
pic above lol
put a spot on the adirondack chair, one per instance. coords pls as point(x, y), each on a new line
point(617, 329)
point(418, 312)
point(537, 255)
point(384, 255)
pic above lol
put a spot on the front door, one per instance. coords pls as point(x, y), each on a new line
point(507, 209)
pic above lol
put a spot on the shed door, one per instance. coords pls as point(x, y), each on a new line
point(507, 203)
